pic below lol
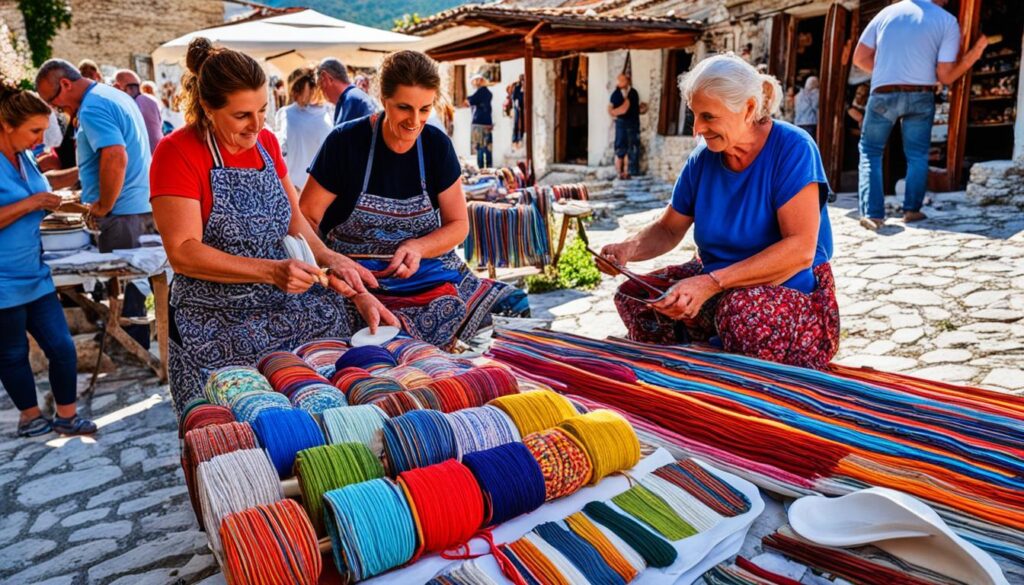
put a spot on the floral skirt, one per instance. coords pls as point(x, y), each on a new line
point(774, 323)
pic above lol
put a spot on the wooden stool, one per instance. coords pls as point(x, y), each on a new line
point(582, 212)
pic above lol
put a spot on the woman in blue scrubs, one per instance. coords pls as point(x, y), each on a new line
point(28, 299)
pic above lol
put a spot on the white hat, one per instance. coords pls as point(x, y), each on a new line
point(477, 76)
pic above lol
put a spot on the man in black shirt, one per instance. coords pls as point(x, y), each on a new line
point(626, 108)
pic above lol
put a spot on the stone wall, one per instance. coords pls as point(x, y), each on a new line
point(998, 182)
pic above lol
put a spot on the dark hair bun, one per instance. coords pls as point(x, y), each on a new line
point(199, 49)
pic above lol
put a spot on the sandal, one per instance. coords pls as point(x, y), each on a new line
point(75, 425)
point(38, 426)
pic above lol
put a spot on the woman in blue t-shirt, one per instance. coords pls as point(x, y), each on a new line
point(28, 300)
point(754, 191)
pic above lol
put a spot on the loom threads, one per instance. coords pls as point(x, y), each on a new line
point(205, 443)
point(234, 482)
point(535, 411)
point(283, 433)
point(447, 505)
point(418, 439)
point(610, 441)
point(248, 406)
point(368, 357)
point(709, 489)
point(485, 427)
point(689, 508)
point(510, 480)
point(224, 383)
point(356, 424)
point(371, 528)
point(654, 549)
point(328, 467)
point(644, 505)
point(563, 461)
point(281, 532)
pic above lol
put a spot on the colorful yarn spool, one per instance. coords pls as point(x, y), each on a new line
point(447, 505)
point(563, 461)
point(440, 367)
point(288, 373)
point(369, 390)
point(510, 480)
point(614, 556)
point(427, 398)
point(322, 354)
point(654, 549)
point(328, 467)
point(226, 383)
point(482, 428)
point(356, 424)
point(371, 528)
point(283, 433)
point(642, 504)
point(234, 482)
point(406, 350)
point(205, 443)
point(408, 376)
point(418, 439)
point(535, 411)
point(473, 388)
point(288, 552)
point(344, 378)
point(580, 553)
point(398, 403)
point(610, 441)
point(200, 413)
point(316, 398)
point(248, 406)
point(368, 357)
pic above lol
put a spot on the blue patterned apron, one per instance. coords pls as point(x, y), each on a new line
point(221, 324)
point(377, 227)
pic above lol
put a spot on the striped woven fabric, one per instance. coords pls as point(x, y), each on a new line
point(960, 449)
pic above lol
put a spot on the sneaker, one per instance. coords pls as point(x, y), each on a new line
point(912, 216)
point(40, 425)
point(871, 223)
point(75, 425)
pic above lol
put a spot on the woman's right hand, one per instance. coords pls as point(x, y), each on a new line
point(293, 276)
point(620, 254)
point(45, 200)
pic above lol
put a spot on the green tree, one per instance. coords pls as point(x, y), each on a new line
point(43, 18)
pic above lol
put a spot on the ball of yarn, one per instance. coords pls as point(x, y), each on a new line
point(234, 482)
point(367, 357)
point(447, 505)
point(281, 532)
point(535, 411)
point(482, 428)
point(200, 413)
point(562, 459)
point(283, 433)
point(316, 398)
point(246, 407)
point(225, 383)
point(610, 441)
point(371, 528)
point(205, 443)
point(356, 424)
point(328, 467)
point(510, 479)
point(418, 439)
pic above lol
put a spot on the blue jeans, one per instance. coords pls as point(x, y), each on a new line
point(915, 112)
point(44, 319)
point(627, 143)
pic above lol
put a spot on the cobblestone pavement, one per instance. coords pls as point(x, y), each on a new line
point(942, 299)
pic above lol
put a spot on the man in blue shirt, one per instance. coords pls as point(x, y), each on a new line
point(350, 102)
point(481, 137)
point(908, 47)
point(624, 105)
point(113, 164)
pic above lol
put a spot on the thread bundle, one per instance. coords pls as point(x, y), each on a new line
point(225, 383)
point(418, 439)
point(609, 440)
point(205, 443)
point(369, 357)
point(467, 573)
point(506, 235)
point(706, 487)
point(563, 461)
point(281, 532)
point(200, 413)
point(328, 467)
point(510, 480)
point(446, 502)
point(248, 406)
point(482, 428)
point(408, 350)
point(535, 411)
point(234, 482)
point(316, 398)
point(356, 424)
point(641, 503)
point(322, 354)
point(283, 433)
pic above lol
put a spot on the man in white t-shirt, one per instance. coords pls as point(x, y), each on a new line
point(908, 47)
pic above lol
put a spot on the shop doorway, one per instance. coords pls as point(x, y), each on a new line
point(571, 110)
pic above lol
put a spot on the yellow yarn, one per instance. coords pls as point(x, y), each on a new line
point(609, 440)
point(535, 411)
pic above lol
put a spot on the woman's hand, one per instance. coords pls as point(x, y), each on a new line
point(348, 276)
point(293, 276)
point(620, 254)
point(373, 311)
point(405, 262)
point(686, 297)
point(45, 200)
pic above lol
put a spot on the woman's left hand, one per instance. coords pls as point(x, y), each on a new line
point(405, 262)
point(374, 312)
point(348, 276)
point(686, 297)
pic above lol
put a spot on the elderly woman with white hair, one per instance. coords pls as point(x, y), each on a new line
point(754, 191)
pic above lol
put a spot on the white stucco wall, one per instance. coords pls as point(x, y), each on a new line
point(600, 132)
point(510, 71)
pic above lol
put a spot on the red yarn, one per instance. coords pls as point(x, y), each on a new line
point(447, 505)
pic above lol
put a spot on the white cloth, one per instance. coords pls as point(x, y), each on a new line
point(910, 38)
point(806, 107)
point(301, 131)
point(53, 136)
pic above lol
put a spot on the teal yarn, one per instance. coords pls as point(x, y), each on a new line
point(371, 528)
point(355, 424)
point(653, 548)
point(226, 383)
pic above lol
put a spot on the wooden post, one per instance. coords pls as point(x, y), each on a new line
point(528, 98)
point(160, 298)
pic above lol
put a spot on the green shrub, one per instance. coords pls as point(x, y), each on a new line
point(576, 269)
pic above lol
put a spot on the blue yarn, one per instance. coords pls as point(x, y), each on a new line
point(283, 433)
point(365, 357)
point(249, 405)
point(580, 553)
point(371, 528)
point(510, 479)
point(418, 439)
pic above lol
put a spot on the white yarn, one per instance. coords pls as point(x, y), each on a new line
point(694, 511)
point(564, 565)
point(234, 482)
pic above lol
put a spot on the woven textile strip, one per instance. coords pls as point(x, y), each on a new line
point(510, 235)
point(959, 449)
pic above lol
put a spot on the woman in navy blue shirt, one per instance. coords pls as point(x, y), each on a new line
point(754, 192)
point(28, 300)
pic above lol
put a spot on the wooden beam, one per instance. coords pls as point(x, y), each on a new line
point(528, 98)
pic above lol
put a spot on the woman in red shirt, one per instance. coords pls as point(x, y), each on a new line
point(223, 202)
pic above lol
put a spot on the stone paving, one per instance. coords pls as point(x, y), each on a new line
point(942, 299)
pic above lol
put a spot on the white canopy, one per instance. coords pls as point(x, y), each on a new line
point(292, 40)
